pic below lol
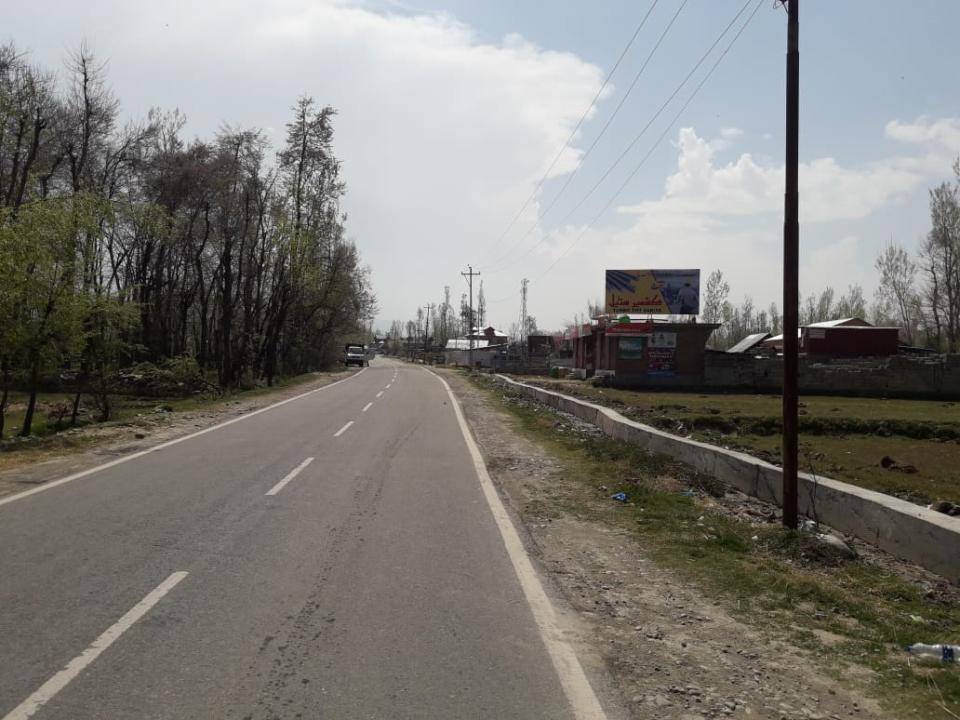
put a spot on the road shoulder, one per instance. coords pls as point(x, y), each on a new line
point(87, 447)
point(671, 652)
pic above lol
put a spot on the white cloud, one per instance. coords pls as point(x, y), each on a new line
point(744, 186)
point(442, 135)
point(943, 131)
point(729, 216)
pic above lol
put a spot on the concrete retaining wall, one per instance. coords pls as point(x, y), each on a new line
point(925, 537)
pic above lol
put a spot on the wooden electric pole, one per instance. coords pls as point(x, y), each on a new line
point(426, 332)
point(791, 259)
point(469, 275)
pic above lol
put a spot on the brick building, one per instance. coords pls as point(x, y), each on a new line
point(637, 352)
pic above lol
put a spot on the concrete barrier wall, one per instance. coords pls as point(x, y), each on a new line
point(925, 537)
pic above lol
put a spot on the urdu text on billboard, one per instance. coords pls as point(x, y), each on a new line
point(657, 292)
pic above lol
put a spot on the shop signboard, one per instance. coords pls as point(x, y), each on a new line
point(661, 361)
point(630, 329)
point(631, 348)
point(661, 339)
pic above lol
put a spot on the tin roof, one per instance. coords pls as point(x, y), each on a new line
point(749, 342)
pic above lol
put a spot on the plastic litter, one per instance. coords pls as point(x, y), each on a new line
point(946, 653)
point(620, 497)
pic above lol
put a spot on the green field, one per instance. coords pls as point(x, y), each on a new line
point(841, 437)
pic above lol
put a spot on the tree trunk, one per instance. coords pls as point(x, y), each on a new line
point(76, 408)
point(32, 403)
point(4, 392)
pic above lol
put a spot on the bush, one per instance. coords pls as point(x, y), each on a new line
point(175, 377)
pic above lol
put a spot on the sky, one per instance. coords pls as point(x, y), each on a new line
point(450, 113)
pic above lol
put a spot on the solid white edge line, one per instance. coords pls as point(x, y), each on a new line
point(367, 407)
point(288, 477)
point(342, 430)
point(60, 680)
point(161, 446)
point(576, 686)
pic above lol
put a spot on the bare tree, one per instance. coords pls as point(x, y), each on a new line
point(896, 299)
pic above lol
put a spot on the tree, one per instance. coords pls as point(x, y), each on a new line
point(896, 300)
point(717, 309)
point(715, 298)
point(124, 244)
point(48, 313)
point(481, 307)
point(940, 264)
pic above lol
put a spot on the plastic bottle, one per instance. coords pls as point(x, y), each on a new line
point(947, 653)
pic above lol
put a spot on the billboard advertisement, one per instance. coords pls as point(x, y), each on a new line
point(657, 292)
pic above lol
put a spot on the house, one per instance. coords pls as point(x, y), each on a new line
point(845, 337)
point(488, 346)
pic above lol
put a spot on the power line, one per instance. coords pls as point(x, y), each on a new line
point(632, 143)
point(603, 130)
point(576, 128)
point(653, 148)
point(655, 145)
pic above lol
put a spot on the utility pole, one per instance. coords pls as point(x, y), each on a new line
point(791, 259)
point(523, 317)
point(469, 275)
point(426, 332)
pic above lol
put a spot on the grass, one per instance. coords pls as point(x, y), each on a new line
point(46, 432)
point(772, 578)
point(841, 437)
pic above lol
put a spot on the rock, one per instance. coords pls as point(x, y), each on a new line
point(947, 508)
point(837, 545)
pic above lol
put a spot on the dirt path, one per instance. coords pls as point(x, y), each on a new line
point(672, 653)
point(79, 449)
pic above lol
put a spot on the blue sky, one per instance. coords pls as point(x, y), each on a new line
point(449, 112)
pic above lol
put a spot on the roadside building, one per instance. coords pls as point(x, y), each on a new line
point(490, 335)
point(489, 346)
point(845, 337)
point(638, 352)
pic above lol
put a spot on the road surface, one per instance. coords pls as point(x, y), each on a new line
point(340, 555)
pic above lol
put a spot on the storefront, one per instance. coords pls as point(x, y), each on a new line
point(636, 352)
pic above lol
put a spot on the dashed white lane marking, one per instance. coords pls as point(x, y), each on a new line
point(576, 686)
point(58, 682)
point(366, 407)
point(161, 446)
point(388, 386)
point(289, 476)
point(342, 430)
point(380, 394)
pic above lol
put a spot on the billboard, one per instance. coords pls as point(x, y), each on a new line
point(657, 292)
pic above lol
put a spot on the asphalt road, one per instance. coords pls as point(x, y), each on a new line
point(230, 576)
